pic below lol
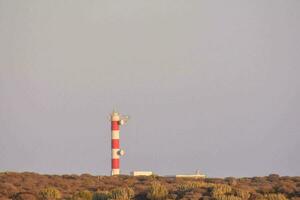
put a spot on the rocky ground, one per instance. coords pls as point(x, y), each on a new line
point(29, 186)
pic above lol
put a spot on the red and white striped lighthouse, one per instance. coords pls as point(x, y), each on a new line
point(116, 152)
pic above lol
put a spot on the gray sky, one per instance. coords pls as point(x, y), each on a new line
point(210, 85)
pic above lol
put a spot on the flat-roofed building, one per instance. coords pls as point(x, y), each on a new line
point(189, 176)
point(198, 174)
point(141, 173)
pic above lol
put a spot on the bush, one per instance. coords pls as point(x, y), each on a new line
point(221, 189)
point(242, 193)
point(191, 196)
point(101, 195)
point(23, 196)
point(157, 192)
point(231, 181)
point(275, 197)
point(122, 194)
point(82, 195)
point(189, 186)
point(182, 188)
point(49, 194)
point(227, 197)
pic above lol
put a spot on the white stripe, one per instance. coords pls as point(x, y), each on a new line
point(114, 153)
point(115, 134)
point(115, 171)
point(115, 118)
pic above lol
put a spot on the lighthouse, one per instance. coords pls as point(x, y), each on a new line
point(116, 121)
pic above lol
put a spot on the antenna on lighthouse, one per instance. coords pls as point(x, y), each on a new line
point(124, 119)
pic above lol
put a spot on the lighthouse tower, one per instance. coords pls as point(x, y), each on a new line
point(116, 152)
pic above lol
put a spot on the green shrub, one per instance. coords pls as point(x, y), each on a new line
point(182, 188)
point(104, 195)
point(275, 197)
point(227, 197)
point(82, 195)
point(122, 194)
point(49, 194)
point(157, 192)
point(242, 193)
point(221, 189)
point(189, 186)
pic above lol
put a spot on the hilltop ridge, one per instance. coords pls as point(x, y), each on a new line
point(28, 185)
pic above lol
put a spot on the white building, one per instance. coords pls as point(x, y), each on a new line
point(189, 176)
point(141, 173)
point(196, 175)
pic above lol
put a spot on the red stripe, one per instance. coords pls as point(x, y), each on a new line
point(115, 125)
point(115, 143)
point(115, 163)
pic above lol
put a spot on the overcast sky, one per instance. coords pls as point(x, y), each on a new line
point(209, 85)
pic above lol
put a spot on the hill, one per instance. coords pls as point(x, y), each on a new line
point(21, 186)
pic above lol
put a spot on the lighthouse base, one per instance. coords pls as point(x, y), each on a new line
point(115, 172)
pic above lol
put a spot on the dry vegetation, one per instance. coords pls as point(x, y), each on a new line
point(32, 186)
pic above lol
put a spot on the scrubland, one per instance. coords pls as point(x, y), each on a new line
point(32, 186)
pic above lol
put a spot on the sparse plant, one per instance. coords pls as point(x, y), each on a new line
point(49, 193)
point(103, 195)
point(182, 188)
point(122, 194)
point(189, 186)
point(157, 191)
point(221, 189)
point(242, 194)
point(23, 196)
point(227, 197)
point(275, 197)
point(82, 195)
